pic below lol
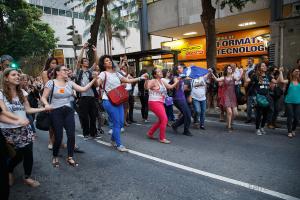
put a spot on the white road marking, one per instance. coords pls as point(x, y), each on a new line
point(208, 174)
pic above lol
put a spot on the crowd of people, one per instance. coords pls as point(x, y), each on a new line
point(61, 92)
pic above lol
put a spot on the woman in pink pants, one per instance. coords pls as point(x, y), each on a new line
point(157, 94)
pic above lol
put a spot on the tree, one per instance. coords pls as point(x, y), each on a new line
point(22, 32)
point(208, 21)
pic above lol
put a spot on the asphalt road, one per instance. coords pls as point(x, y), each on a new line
point(152, 171)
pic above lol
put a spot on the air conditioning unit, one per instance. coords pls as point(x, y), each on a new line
point(296, 9)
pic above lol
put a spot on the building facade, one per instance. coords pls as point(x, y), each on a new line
point(240, 34)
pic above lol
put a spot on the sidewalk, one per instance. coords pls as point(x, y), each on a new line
point(242, 115)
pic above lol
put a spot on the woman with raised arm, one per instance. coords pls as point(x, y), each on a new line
point(261, 84)
point(15, 106)
point(157, 94)
point(110, 79)
point(230, 102)
point(292, 99)
point(62, 115)
point(47, 75)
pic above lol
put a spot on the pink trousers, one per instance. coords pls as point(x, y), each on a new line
point(159, 110)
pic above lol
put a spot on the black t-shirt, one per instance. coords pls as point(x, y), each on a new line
point(261, 86)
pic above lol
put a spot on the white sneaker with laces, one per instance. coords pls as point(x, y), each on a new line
point(258, 132)
point(122, 149)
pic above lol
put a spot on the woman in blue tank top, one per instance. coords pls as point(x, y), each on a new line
point(292, 99)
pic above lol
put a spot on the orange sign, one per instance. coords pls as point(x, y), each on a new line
point(238, 43)
point(59, 55)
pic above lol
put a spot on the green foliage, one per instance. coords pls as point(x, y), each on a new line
point(238, 4)
point(22, 32)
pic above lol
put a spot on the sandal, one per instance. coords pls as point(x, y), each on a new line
point(151, 137)
point(72, 162)
point(165, 141)
point(55, 162)
point(32, 183)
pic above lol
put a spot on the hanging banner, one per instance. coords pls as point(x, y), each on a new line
point(232, 44)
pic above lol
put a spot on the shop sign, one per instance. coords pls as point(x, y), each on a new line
point(239, 43)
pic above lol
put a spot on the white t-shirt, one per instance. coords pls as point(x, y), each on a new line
point(237, 74)
point(199, 92)
point(113, 80)
point(15, 107)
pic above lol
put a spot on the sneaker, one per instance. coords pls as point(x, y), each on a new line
point(122, 130)
point(202, 127)
point(258, 132)
point(110, 131)
point(50, 146)
point(262, 130)
point(146, 121)
point(122, 149)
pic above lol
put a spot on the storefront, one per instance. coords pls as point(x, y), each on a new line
point(232, 47)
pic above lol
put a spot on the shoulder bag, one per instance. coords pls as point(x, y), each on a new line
point(117, 95)
point(43, 121)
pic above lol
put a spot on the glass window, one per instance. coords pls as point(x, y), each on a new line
point(75, 14)
point(47, 10)
point(62, 12)
point(81, 16)
point(69, 14)
point(54, 11)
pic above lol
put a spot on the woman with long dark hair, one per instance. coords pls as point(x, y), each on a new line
point(47, 75)
point(157, 94)
point(292, 99)
point(62, 116)
point(180, 102)
point(12, 99)
point(144, 96)
point(230, 101)
point(110, 79)
point(261, 84)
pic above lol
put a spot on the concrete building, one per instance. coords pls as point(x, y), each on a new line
point(240, 34)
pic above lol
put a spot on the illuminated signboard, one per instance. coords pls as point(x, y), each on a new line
point(239, 43)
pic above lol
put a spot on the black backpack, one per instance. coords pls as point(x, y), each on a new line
point(78, 82)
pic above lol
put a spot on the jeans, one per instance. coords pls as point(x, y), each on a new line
point(158, 109)
point(116, 115)
point(293, 114)
point(261, 116)
point(87, 113)
point(144, 103)
point(61, 118)
point(25, 154)
point(169, 112)
point(131, 107)
point(250, 103)
point(200, 108)
point(186, 115)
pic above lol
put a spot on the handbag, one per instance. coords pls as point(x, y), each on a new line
point(43, 121)
point(262, 101)
point(117, 95)
point(169, 101)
